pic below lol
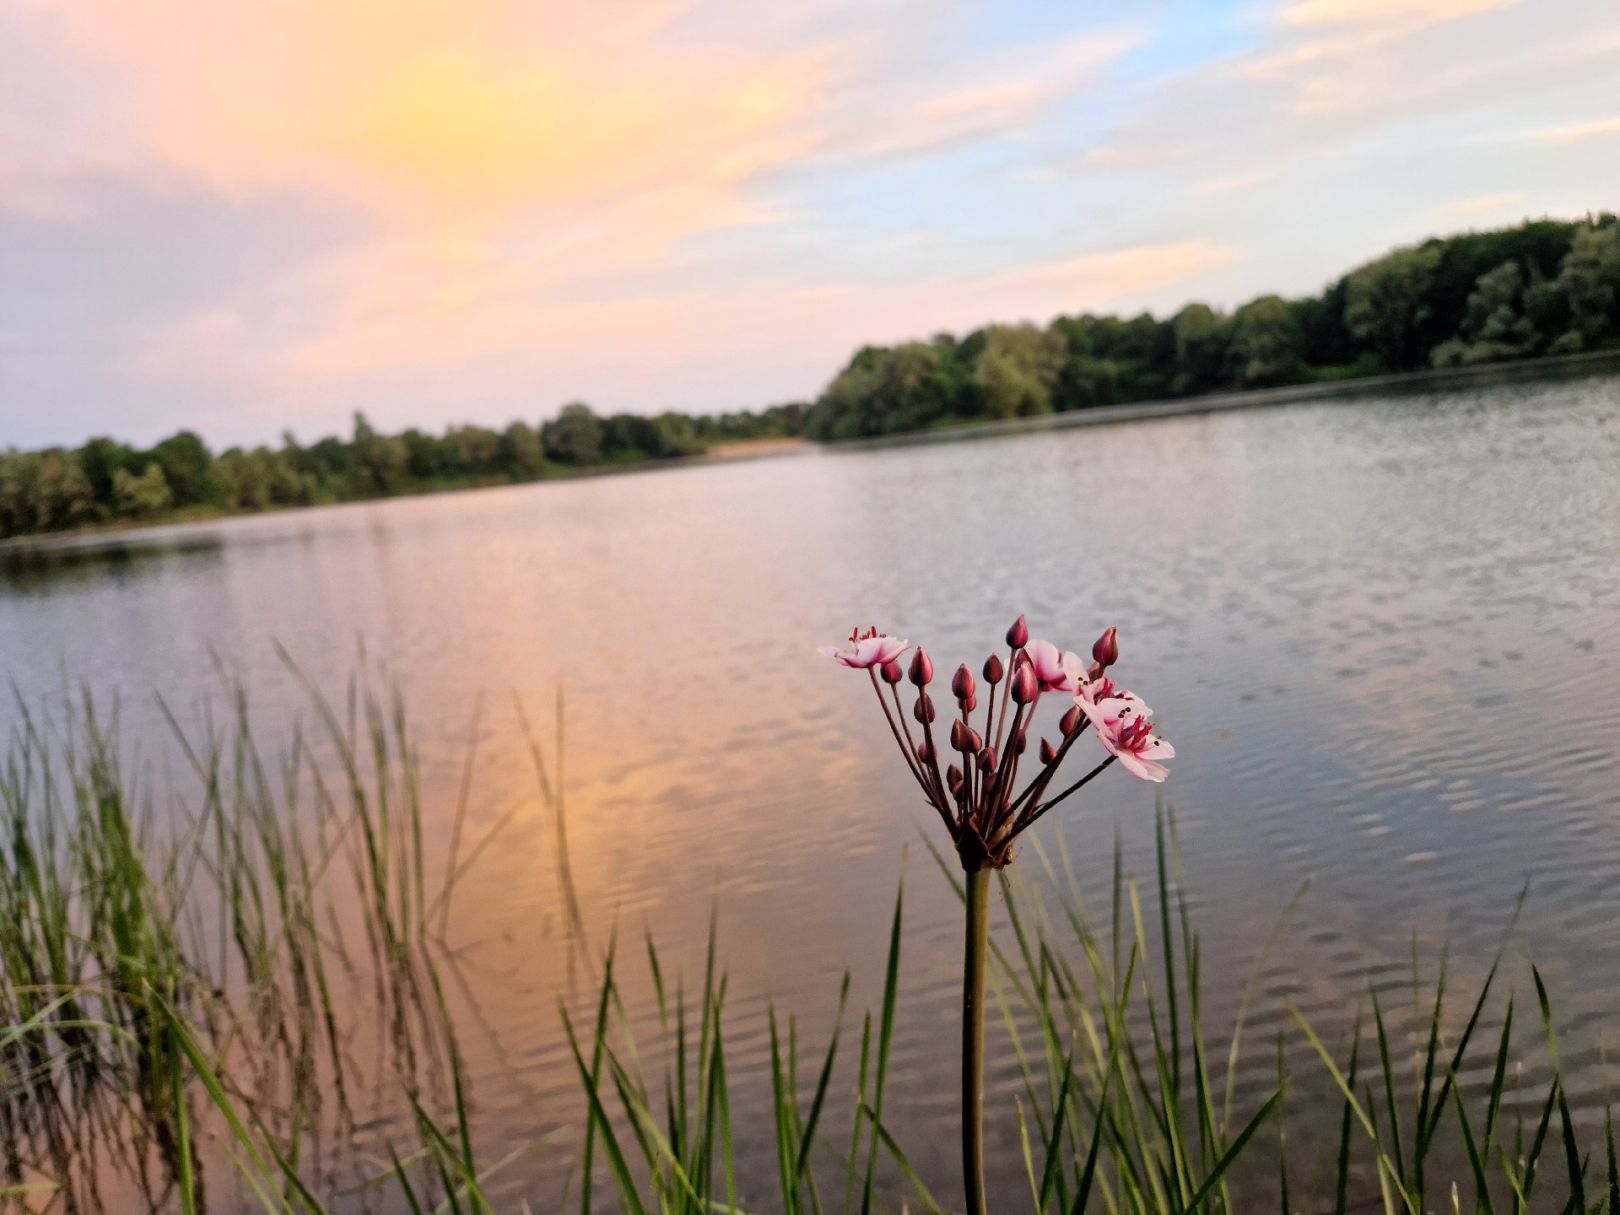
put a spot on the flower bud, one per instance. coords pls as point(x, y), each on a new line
point(891, 672)
point(922, 669)
point(1019, 742)
point(961, 736)
point(954, 778)
point(962, 683)
point(1070, 721)
point(1105, 650)
point(1025, 686)
point(1048, 752)
point(971, 703)
point(925, 751)
point(975, 741)
point(923, 710)
point(1018, 635)
point(992, 670)
point(987, 760)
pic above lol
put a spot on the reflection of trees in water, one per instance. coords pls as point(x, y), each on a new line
point(35, 566)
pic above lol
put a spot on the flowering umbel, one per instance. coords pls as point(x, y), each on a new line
point(977, 794)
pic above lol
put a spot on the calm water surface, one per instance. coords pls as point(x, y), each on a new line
point(1382, 634)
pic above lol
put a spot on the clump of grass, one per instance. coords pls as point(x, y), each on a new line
point(171, 954)
point(1124, 1108)
point(668, 1146)
point(230, 913)
point(1419, 1120)
point(1119, 1110)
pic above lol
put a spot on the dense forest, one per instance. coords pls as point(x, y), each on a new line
point(106, 480)
point(1544, 287)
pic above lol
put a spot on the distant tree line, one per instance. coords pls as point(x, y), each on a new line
point(1544, 287)
point(106, 480)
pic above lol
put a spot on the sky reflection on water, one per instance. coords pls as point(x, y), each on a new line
point(1381, 634)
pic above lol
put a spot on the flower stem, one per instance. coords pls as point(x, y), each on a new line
point(973, 964)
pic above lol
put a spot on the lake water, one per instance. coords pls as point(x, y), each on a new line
point(1382, 633)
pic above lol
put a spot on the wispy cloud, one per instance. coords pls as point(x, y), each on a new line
point(1004, 95)
point(247, 214)
point(1501, 206)
point(1308, 13)
point(1577, 132)
point(1095, 279)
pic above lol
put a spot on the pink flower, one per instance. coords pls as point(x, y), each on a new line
point(1057, 671)
point(1105, 650)
point(868, 649)
point(1124, 730)
point(1092, 692)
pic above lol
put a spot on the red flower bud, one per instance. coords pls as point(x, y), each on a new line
point(891, 672)
point(961, 736)
point(1048, 752)
point(987, 760)
point(923, 710)
point(971, 703)
point(1020, 742)
point(1070, 721)
point(1025, 686)
point(953, 778)
point(962, 683)
point(1018, 635)
point(1105, 650)
point(922, 669)
point(992, 670)
point(925, 751)
point(976, 740)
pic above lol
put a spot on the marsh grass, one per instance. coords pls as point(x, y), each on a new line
point(237, 913)
point(182, 961)
point(1128, 1102)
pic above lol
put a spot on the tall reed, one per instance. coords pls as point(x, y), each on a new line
point(172, 962)
point(241, 898)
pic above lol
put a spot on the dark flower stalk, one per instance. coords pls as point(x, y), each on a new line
point(977, 796)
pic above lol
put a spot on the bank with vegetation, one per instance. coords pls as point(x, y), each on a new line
point(1543, 288)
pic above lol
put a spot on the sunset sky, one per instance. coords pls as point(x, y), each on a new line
point(248, 217)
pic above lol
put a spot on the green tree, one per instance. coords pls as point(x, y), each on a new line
point(520, 451)
point(1590, 281)
point(1266, 346)
point(477, 449)
point(143, 496)
point(574, 436)
point(676, 436)
point(63, 496)
point(258, 479)
point(1386, 304)
point(100, 458)
point(846, 408)
point(1201, 335)
point(377, 461)
point(1017, 370)
point(1493, 325)
point(19, 474)
point(329, 461)
point(185, 462)
point(1328, 342)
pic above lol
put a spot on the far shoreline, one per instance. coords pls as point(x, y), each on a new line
point(1597, 361)
point(748, 450)
point(741, 451)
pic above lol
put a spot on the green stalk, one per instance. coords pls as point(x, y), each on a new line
point(973, 967)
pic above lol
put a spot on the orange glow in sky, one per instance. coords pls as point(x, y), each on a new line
point(242, 217)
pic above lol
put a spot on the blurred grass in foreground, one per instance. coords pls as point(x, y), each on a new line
point(180, 965)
